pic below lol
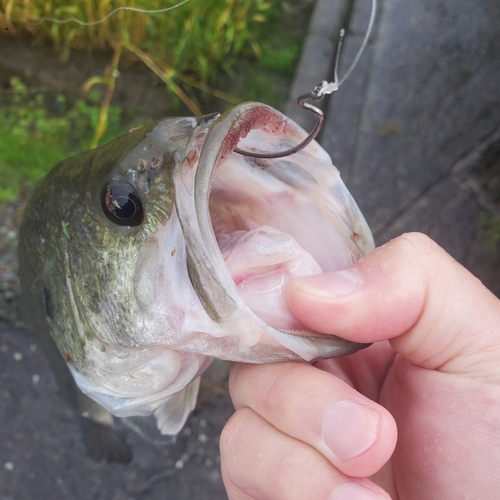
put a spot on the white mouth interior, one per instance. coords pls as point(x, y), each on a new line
point(273, 221)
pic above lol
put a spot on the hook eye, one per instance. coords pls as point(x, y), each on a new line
point(314, 132)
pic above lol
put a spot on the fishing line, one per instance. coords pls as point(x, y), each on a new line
point(106, 17)
point(321, 90)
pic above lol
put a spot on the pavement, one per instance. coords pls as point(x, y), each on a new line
point(415, 132)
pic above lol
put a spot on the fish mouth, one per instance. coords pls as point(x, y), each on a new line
point(251, 225)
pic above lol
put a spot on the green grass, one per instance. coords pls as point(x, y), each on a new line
point(32, 140)
point(185, 47)
point(188, 44)
point(282, 60)
point(197, 38)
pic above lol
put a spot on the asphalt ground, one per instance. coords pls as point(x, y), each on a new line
point(42, 455)
point(415, 132)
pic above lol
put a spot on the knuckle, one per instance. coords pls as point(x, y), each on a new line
point(232, 430)
point(413, 242)
point(270, 394)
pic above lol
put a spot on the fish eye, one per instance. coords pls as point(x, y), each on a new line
point(121, 204)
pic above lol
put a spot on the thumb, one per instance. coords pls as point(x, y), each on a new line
point(435, 313)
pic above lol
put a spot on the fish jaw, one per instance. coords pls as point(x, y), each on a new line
point(227, 186)
point(136, 381)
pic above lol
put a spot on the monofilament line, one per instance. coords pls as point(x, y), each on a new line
point(99, 21)
point(322, 89)
point(363, 45)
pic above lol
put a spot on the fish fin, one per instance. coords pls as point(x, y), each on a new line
point(104, 442)
point(147, 429)
point(172, 415)
point(100, 436)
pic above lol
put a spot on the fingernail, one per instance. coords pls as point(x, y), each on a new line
point(329, 285)
point(355, 491)
point(350, 429)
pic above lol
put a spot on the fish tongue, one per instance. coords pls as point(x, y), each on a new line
point(262, 262)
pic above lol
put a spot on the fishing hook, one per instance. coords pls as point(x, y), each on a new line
point(321, 90)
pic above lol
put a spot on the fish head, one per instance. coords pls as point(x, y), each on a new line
point(166, 248)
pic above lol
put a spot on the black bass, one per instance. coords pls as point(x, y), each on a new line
point(146, 258)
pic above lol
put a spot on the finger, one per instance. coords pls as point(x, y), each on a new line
point(352, 432)
point(365, 370)
point(410, 290)
point(259, 462)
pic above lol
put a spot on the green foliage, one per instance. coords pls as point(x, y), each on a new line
point(194, 38)
point(282, 60)
point(282, 35)
point(32, 140)
point(490, 226)
point(183, 46)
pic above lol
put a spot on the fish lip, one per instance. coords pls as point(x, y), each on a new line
point(220, 295)
point(221, 140)
point(223, 298)
point(207, 119)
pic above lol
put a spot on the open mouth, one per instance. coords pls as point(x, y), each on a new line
point(260, 222)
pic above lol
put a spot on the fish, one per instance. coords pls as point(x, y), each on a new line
point(144, 259)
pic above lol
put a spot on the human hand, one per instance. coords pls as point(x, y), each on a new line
point(320, 432)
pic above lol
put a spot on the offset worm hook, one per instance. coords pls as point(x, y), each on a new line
point(316, 94)
point(321, 90)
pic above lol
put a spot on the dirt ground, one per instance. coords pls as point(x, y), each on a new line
point(42, 454)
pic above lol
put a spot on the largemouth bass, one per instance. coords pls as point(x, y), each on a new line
point(146, 258)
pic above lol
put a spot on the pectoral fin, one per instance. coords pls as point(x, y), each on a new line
point(101, 438)
point(172, 415)
point(104, 442)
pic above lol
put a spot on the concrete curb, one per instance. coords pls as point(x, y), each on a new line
point(316, 60)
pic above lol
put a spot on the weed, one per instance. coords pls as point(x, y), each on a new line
point(282, 60)
point(490, 228)
point(189, 43)
point(186, 46)
point(32, 140)
point(196, 38)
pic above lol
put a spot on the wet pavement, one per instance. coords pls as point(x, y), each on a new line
point(42, 455)
point(415, 132)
